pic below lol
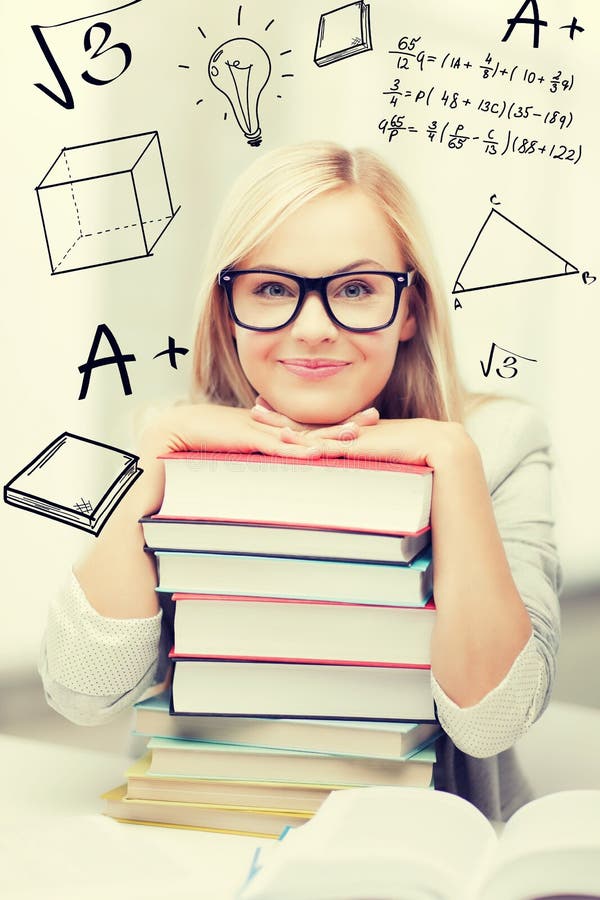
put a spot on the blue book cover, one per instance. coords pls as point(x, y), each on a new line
point(254, 575)
point(426, 755)
point(330, 736)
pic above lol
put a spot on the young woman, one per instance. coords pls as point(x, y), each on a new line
point(324, 331)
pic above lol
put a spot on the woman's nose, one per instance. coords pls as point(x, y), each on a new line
point(313, 323)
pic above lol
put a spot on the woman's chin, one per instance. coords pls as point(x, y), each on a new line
point(314, 412)
point(315, 418)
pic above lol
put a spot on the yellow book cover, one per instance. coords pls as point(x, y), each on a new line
point(284, 796)
point(244, 820)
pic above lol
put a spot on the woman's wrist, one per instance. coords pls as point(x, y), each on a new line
point(452, 449)
point(146, 495)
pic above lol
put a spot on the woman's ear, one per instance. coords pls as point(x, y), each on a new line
point(409, 326)
point(409, 329)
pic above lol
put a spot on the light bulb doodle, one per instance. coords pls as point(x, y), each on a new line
point(240, 69)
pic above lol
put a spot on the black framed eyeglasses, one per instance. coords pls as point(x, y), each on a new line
point(360, 301)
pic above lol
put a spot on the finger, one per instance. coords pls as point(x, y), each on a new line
point(307, 446)
point(347, 431)
point(260, 401)
point(297, 451)
point(260, 413)
point(368, 416)
point(327, 448)
point(330, 448)
point(269, 417)
point(293, 436)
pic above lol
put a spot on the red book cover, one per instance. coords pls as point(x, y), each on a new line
point(341, 462)
point(297, 662)
point(429, 606)
point(271, 524)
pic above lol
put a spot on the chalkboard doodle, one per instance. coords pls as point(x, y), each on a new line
point(461, 101)
point(96, 360)
point(240, 68)
point(503, 253)
point(509, 364)
point(87, 36)
point(343, 32)
point(533, 20)
point(76, 481)
point(105, 202)
point(172, 351)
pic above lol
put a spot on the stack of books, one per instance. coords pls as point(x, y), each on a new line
point(302, 627)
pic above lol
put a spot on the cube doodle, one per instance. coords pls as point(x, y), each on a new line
point(105, 202)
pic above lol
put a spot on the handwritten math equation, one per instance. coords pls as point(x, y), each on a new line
point(95, 38)
point(409, 57)
point(500, 108)
point(506, 362)
point(454, 137)
point(516, 97)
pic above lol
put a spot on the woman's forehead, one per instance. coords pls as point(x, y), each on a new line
point(329, 232)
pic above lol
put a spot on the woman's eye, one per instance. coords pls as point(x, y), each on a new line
point(273, 289)
point(354, 290)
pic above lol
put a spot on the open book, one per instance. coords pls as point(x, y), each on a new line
point(388, 843)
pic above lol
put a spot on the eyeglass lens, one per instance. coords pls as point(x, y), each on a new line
point(358, 300)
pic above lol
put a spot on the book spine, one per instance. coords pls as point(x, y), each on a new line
point(243, 598)
point(286, 660)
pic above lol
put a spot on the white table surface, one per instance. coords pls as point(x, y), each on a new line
point(55, 844)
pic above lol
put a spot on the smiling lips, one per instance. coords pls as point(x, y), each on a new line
point(313, 368)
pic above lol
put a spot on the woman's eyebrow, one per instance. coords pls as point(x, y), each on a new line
point(348, 267)
point(358, 264)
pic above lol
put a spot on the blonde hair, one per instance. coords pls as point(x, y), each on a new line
point(424, 380)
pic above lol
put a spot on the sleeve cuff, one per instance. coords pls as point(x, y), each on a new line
point(504, 714)
point(97, 655)
point(83, 709)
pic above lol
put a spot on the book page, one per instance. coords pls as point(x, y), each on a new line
point(549, 846)
point(380, 842)
point(563, 819)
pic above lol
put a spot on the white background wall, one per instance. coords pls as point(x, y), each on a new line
point(49, 321)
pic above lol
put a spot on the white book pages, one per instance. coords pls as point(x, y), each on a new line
point(399, 843)
point(384, 843)
point(549, 846)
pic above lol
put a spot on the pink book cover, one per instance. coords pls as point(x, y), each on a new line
point(429, 606)
point(271, 524)
point(341, 462)
point(295, 661)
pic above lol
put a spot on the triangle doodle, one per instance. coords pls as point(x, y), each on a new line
point(503, 253)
